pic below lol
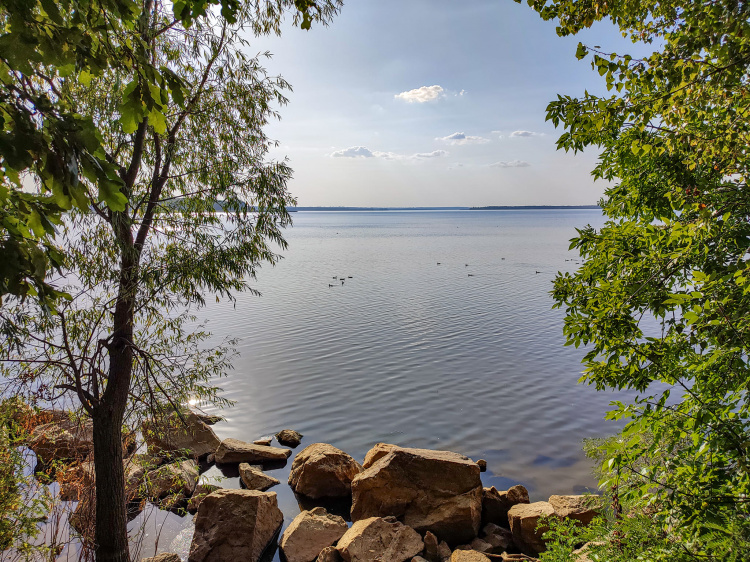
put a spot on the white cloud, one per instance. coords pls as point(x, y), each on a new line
point(526, 134)
point(511, 164)
point(364, 152)
point(433, 154)
point(456, 166)
point(353, 152)
point(422, 95)
point(461, 138)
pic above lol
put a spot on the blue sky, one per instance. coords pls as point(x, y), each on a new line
point(432, 102)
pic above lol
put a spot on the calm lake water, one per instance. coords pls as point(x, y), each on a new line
point(441, 336)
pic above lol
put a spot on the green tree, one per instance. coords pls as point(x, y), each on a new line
point(178, 200)
point(662, 300)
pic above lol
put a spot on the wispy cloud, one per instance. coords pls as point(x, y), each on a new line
point(433, 154)
point(526, 134)
point(353, 152)
point(511, 164)
point(364, 152)
point(462, 138)
point(422, 95)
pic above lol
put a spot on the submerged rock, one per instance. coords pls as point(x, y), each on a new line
point(321, 470)
point(236, 451)
point(377, 539)
point(235, 525)
point(311, 532)
point(435, 491)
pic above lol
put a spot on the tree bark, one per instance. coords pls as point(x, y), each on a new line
point(111, 520)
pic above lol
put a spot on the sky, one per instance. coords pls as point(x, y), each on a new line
point(432, 103)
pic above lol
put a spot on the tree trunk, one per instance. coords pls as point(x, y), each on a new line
point(111, 522)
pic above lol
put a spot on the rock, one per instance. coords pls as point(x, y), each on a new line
point(419, 559)
point(329, 554)
point(174, 478)
point(377, 539)
point(208, 419)
point(482, 464)
point(236, 451)
point(64, 439)
point(468, 556)
point(256, 479)
point(235, 525)
point(431, 547)
point(517, 558)
point(321, 470)
point(444, 551)
point(199, 494)
point(309, 533)
point(523, 521)
point(500, 538)
point(435, 491)
point(581, 508)
point(211, 459)
point(289, 437)
point(164, 557)
point(480, 545)
point(582, 554)
point(496, 504)
point(265, 442)
point(186, 434)
point(376, 453)
point(75, 480)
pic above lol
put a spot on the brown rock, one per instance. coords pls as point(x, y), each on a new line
point(500, 538)
point(164, 557)
point(256, 479)
point(311, 532)
point(468, 556)
point(329, 554)
point(480, 545)
point(235, 525)
point(523, 522)
point(435, 491)
point(236, 451)
point(419, 559)
point(444, 551)
point(377, 539)
point(581, 508)
point(265, 442)
point(376, 453)
point(482, 464)
point(64, 439)
point(431, 547)
point(186, 433)
point(321, 470)
point(199, 494)
point(517, 558)
point(208, 419)
point(496, 504)
point(174, 478)
point(289, 437)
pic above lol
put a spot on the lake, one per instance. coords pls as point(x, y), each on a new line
point(442, 335)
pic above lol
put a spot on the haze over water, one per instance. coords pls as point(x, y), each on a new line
point(465, 356)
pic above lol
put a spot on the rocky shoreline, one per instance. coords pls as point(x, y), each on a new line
point(406, 504)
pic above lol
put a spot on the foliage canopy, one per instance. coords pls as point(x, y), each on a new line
point(663, 298)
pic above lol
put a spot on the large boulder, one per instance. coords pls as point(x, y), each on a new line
point(175, 478)
point(496, 504)
point(329, 554)
point(321, 470)
point(435, 491)
point(236, 451)
point(523, 524)
point(235, 525)
point(64, 439)
point(311, 532)
point(256, 479)
point(579, 507)
point(378, 539)
point(184, 433)
point(199, 494)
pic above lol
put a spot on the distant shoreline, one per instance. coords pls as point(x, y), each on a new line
point(488, 208)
